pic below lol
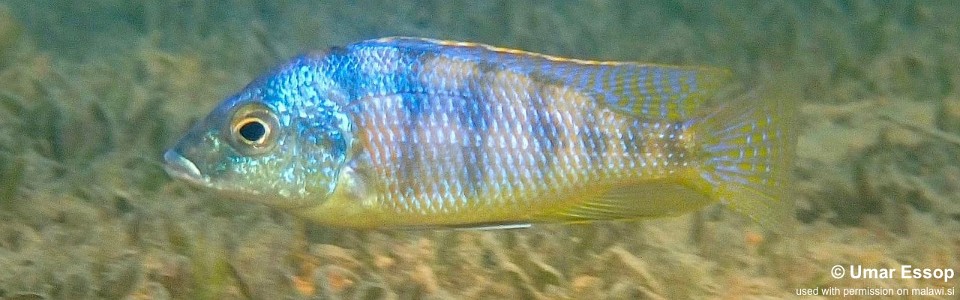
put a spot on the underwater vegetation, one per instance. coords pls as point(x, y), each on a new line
point(92, 92)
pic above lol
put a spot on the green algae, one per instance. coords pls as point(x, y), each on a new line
point(88, 105)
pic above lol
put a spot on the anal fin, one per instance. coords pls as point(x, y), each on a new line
point(649, 199)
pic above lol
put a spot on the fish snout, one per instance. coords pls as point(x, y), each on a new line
point(180, 167)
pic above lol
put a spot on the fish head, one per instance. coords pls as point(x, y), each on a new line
point(278, 142)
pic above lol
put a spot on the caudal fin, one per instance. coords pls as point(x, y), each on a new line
point(747, 155)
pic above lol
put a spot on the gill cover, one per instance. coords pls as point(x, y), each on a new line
point(324, 138)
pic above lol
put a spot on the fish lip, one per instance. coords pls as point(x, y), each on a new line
point(182, 168)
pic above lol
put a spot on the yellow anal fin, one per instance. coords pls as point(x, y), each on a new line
point(650, 199)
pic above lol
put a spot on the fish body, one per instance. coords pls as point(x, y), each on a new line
point(410, 132)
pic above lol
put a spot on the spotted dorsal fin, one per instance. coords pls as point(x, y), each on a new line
point(650, 91)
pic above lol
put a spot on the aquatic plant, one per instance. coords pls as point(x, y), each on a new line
point(92, 91)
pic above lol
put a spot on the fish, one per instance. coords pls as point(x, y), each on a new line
point(406, 132)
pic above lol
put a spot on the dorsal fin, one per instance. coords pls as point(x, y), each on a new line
point(643, 90)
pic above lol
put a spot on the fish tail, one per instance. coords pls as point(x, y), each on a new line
point(746, 150)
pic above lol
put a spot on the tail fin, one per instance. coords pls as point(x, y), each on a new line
point(747, 155)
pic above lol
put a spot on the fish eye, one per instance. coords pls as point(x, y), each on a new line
point(253, 129)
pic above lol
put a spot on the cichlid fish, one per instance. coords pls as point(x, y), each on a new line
point(411, 132)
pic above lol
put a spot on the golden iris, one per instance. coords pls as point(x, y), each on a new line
point(253, 129)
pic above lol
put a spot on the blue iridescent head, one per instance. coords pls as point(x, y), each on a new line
point(280, 141)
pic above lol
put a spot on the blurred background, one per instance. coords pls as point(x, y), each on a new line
point(92, 92)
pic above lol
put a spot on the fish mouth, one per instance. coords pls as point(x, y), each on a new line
point(182, 168)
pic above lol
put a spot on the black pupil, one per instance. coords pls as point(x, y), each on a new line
point(253, 131)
